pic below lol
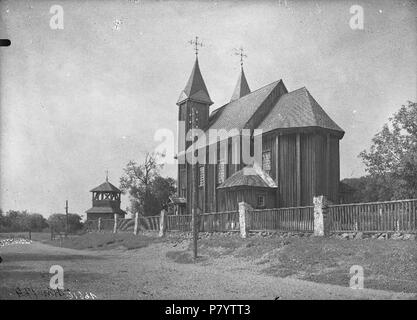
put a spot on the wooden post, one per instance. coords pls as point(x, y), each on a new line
point(99, 225)
point(298, 164)
point(277, 204)
point(328, 165)
point(135, 231)
point(66, 214)
point(115, 223)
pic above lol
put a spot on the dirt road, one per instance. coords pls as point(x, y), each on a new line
point(147, 273)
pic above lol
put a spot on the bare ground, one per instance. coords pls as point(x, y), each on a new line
point(163, 270)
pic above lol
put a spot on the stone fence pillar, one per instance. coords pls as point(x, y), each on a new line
point(135, 230)
point(99, 225)
point(162, 223)
point(115, 223)
point(244, 219)
point(321, 225)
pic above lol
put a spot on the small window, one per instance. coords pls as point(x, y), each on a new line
point(202, 176)
point(261, 201)
point(266, 161)
point(220, 172)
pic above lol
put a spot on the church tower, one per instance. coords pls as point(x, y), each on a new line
point(242, 87)
point(194, 100)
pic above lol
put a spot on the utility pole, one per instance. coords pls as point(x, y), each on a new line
point(194, 190)
point(66, 213)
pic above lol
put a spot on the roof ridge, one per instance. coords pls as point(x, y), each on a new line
point(248, 95)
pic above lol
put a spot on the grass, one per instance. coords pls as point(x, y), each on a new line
point(36, 236)
point(387, 264)
point(104, 241)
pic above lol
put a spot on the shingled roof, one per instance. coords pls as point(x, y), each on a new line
point(297, 109)
point(196, 88)
point(105, 187)
point(237, 113)
point(106, 210)
point(249, 176)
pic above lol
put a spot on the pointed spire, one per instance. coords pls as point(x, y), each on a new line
point(242, 87)
point(196, 88)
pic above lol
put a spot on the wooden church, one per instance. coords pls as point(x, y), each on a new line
point(299, 146)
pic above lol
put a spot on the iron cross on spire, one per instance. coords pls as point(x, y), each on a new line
point(196, 44)
point(239, 52)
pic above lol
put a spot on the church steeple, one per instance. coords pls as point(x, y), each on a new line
point(242, 87)
point(195, 89)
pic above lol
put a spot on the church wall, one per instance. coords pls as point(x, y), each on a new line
point(287, 169)
point(319, 172)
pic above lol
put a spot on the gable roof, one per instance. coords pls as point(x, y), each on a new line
point(249, 176)
point(105, 187)
point(297, 109)
point(242, 87)
point(237, 113)
point(195, 88)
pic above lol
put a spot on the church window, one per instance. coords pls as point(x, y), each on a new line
point(220, 171)
point(261, 201)
point(202, 176)
point(266, 161)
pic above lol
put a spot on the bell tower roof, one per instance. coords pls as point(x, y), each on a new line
point(105, 187)
point(195, 89)
point(242, 87)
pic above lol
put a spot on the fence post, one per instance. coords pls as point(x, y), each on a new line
point(115, 223)
point(162, 223)
point(244, 219)
point(321, 225)
point(135, 230)
point(99, 225)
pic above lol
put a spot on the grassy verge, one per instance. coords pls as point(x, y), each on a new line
point(36, 236)
point(387, 264)
point(104, 241)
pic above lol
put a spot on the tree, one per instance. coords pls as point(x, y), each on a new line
point(392, 157)
point(37, 222)
point(58, 222)
point(147, 189)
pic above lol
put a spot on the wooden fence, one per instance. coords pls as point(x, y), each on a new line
point(388, 216)
point(149, 222)
point(295, 219)
point(219, 221)
point(179, 222)
point(208, 222)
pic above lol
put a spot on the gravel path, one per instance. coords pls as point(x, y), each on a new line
point(147, 273)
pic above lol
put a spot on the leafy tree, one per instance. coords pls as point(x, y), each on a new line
point(392, 157)
point(370, 188)
point(58, 222)
point(37, 222)
point(21, 221)
point(147, 189)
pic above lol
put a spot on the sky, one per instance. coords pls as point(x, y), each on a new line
point(87, 98)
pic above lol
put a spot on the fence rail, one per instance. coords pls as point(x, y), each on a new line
point(150, 222)
point(219, 221)
point(388, 216)
point(282, 219)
